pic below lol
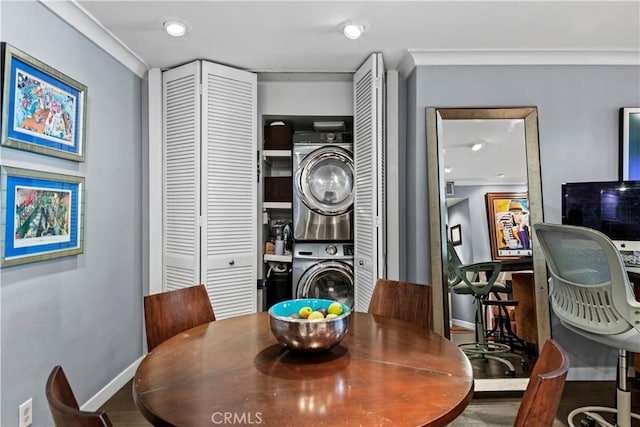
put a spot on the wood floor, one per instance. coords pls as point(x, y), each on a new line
point(486, 409)
point(521, 362)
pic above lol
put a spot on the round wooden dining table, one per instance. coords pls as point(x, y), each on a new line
point(385, 372)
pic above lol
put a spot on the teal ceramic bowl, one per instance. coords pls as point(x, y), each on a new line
point(307, 336)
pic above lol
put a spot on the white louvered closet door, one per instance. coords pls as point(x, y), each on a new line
point(369, 216)
point(229, 188)
point(181, 172)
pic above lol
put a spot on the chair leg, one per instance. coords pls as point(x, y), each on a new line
point(622, 411)
point(502, 331)
point(484, 349)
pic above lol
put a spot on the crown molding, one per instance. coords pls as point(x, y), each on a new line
point(524, 57)
point(406, 65)
point(77, 17)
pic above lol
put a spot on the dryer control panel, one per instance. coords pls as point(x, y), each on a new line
point(321, 137)
point(307, 250)
point(348, 250)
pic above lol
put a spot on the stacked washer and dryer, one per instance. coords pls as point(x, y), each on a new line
point(323, 181)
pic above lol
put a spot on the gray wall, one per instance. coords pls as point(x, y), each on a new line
point(83, 312)
point(578, 109)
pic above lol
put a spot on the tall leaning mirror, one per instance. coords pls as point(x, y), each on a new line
point(477, 200)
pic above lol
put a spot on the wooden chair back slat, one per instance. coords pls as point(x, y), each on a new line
point(541, 399)
point(64, 406)
point(403, 300)
point(169, 313)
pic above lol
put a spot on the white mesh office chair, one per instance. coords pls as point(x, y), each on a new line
point(590, 292)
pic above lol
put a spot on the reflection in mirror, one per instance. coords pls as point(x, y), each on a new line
point(484, 184)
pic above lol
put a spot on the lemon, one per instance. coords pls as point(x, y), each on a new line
point(304, 312)
point(331, 316)
point(335, 308)
point(315, 315)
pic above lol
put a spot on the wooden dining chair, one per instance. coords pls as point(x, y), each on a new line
point(168, 313)
point(64, 406)
point(402, 300)
point(541, 399)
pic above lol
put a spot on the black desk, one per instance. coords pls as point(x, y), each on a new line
point(517, 264)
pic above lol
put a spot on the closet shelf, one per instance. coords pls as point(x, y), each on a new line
point(278, 258)
point(276, 205)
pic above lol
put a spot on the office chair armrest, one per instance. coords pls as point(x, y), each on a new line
point(632, 314)
point(491, 268)
point(624, 298)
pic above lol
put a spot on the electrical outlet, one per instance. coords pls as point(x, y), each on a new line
point(25, 413)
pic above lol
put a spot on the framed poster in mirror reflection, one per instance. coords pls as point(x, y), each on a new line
point(509, 229)
point(456, 235)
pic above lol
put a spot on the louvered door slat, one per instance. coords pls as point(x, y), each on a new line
point(229, 186)
point(368, 149)
point(231, 299)
point(181, 146)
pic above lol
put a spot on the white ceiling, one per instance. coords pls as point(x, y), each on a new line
point(300, 36)
point(305, 36)
point(502, 152)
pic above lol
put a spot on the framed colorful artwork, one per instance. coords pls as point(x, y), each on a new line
point(629, 144)
point(43, 110)
point(509, 230)
point(42, 215)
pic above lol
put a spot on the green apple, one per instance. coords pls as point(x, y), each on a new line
point(315, 315)
point(335, 308)
point(304, 312)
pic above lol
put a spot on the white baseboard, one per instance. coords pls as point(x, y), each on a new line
point(500, 384)
point(107, 392)
point(463, 324)
point(520, 384)
point(600, 373)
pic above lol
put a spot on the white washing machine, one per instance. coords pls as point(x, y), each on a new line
point(323, 181)
point(323, 270)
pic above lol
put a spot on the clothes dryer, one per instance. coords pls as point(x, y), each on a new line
point(323, 270)
point(323, 177)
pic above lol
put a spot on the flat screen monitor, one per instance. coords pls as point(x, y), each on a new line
point(612, 208)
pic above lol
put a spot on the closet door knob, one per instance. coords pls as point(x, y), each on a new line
point(232, 262)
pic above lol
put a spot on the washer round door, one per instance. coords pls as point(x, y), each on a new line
point(328, 280)
point(324, 181)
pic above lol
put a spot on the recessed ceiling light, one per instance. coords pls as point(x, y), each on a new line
point(476, 146)
point(175, 28)
point(501, 175)
point(448, 169)
point(352, 30)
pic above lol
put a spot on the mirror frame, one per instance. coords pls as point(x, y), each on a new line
point(437, 213)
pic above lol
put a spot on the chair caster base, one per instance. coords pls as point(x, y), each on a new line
point(593, 416)
point(484, 348)
point(587, 422)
